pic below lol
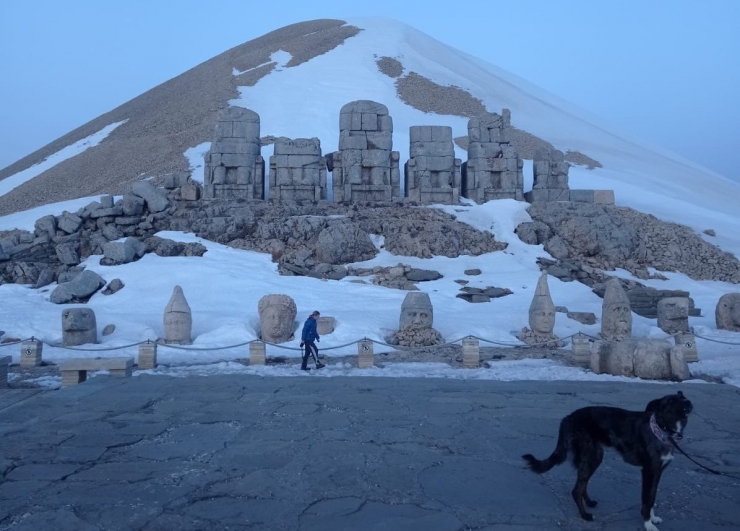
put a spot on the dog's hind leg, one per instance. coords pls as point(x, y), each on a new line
point(587, 456)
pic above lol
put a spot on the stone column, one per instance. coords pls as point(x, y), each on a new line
point(471, 353)
point(365, 354)
point(31, 353)
point(257, 354)
point(147, 356)
point(581, 350)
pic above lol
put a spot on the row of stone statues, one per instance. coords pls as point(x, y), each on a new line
point(615, 352)
point(365, 168)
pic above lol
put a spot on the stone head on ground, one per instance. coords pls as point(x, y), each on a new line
point(727, 313)
point(277, 315)
point(542, 309)
point(79, 327)
point(178, 321)
point(416, 311)
point(616, 313)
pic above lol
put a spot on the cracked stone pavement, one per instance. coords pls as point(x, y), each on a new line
point(238, 452)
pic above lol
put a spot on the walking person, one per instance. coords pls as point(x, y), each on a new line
point(309, 336)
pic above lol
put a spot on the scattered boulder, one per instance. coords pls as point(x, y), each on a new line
point(80, 289)
point(155, 200)
point(114, 286)
point(109, 329)
point(587, 318)
point(422, 275)
point(472, 272)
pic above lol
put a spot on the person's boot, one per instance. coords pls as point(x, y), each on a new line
point(320, 365)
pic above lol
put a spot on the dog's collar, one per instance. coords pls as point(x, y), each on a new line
point(659, 432)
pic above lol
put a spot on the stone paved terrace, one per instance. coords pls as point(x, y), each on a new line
point(309, 453)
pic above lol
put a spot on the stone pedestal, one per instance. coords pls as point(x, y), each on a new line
point(581, 345)
point(4, 363)
point(257, 353)
point(147, 356)
point(31, 353)
point(365, 354)
point(688, 342)
point(471, 353)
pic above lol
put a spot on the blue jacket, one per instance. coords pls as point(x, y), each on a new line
point(309, 332)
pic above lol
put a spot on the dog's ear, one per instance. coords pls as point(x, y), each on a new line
point(680, 393)
point(653, 405)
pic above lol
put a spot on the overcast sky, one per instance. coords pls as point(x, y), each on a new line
point(664, 71)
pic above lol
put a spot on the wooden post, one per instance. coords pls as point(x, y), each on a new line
point(365, 358)
point(257, 354)
point(471, 353)
point(31, 353)
point(147, 355)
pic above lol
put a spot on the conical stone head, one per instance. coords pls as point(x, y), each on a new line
point(616, 312)
point(178, 321)
point(177, 303)
point(542, 309)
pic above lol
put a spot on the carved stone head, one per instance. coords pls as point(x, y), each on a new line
point(673, 314)
point(79, 327)
point(616, 313)
point(178, 320)
point(727, 313)
point(416, 311)
point(277, 315)
point(542, 309)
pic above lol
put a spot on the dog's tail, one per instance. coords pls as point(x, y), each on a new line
point(558, 456)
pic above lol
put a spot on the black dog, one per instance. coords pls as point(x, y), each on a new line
point(642, 438)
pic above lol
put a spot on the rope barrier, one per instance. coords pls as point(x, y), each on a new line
point(549, 344)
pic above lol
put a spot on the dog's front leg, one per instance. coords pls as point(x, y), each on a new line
point(650, 480)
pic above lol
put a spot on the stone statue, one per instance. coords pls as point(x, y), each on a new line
point(79, 327)
point(727, 313)
point(541, 317)
point(652, 359)
point(673, 314)
point(616, 313)
point(415, 323)
point(178, 321)
point(277, 317)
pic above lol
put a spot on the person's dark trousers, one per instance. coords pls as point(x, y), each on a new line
point(307, 354)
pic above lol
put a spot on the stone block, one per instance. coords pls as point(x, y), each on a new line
point(106, 201)
point(582, 196)
point(369, 122)
point(352, 140)
point(536, 195)
point(31, 353)
point(581, 347)
point(379, 140)
point(420, 133)
point(365, 356)
point(74, 370)
point(604, 197)
point(247, 130)
point(385, 123)
point(190, 192)
point(471, 353)
point(325, 325)
point(442, 134)
point(69, 223)
point(147, 356)
point(688, 342)
point(237, 159)
point(257, 353)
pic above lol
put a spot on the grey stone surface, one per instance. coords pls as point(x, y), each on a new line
point(178, 320)
point(673, 314)
point(234, 167)
point(297, 170)
point(238, 452)
point(493, 169)
point(432, 174)
point(365, 168)
point(78, 289)
point(154, 199)
point(652, 359)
